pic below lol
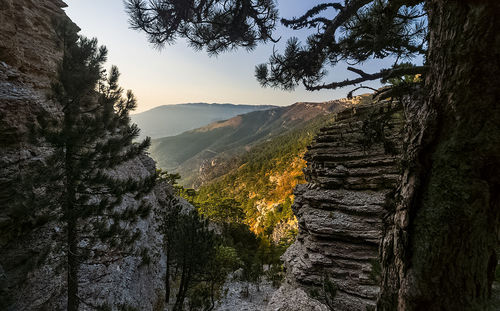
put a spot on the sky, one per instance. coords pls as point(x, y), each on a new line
point(177, 74)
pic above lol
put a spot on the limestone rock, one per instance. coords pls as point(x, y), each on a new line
point(288, 297)
point(350, 172)
point(31, 274)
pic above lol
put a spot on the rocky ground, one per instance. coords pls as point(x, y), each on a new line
point(244, 296)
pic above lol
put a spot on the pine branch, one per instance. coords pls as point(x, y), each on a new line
point(341, 18)
point(382, 74)
point(306, 21)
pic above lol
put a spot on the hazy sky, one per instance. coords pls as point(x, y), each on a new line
point(177, 74)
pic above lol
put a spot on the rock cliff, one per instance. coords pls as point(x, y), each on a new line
point(30, 274)
point(352, 167)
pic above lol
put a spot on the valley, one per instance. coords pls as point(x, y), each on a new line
point(254, 159)
point(210, 151)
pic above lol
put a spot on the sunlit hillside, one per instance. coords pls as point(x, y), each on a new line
point(263, 179)
point(202, 154)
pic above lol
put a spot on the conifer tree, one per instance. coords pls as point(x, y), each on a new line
point(91, 138)
point(190, 247)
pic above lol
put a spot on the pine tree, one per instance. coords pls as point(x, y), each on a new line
point(91, 138)
point(190, 247)
point(439, 248)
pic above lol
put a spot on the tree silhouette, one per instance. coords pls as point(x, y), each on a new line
point(91, 138)
point(353, 32)
point(215, 25)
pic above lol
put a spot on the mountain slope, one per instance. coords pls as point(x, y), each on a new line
point(216, 144)
point(171, 120)
point(261, 180)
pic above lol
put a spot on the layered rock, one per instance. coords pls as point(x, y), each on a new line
point(352, 167)
point(28, 41)
point(32, 275)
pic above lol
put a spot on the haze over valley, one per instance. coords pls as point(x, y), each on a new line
point(169, 120)
point(192, 152)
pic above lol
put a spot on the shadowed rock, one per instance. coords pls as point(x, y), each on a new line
point(352, 166)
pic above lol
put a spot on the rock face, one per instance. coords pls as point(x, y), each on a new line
point(32, 276)
point(28, 41)
point(352, 168)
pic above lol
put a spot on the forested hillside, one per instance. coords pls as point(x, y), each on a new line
point(262, 182)
point(205, 153)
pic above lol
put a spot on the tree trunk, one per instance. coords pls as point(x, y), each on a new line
point(72, 241)
point(438, 249)
point(212, 298)
point(181, 294)
point(167, 274)
point(73, 301)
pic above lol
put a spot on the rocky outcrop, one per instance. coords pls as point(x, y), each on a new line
point(32, 275)
point(353, 165)
point(28, 41)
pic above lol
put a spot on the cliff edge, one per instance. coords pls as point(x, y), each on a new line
point(352, 167)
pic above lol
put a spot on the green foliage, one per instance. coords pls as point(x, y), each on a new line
point(94, 137)
point(237, 247)
point(203, 260)
point(192, 249)
point(198, 261)
point(193, 243)
point(227, 259)
point(275, 274)
point(250, 183)
point(205, 293)
point(171, 179)
point(168, 177)
point(230, 210)
point(90, 138)
point(227, 210)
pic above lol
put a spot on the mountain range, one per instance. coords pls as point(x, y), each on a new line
point(171, 120)
point(212, 148)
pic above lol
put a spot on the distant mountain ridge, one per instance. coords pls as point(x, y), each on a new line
point(169, 120)
point(191, 152)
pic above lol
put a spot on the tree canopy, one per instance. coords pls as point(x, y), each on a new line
point(212, 24)
point(351, 31)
